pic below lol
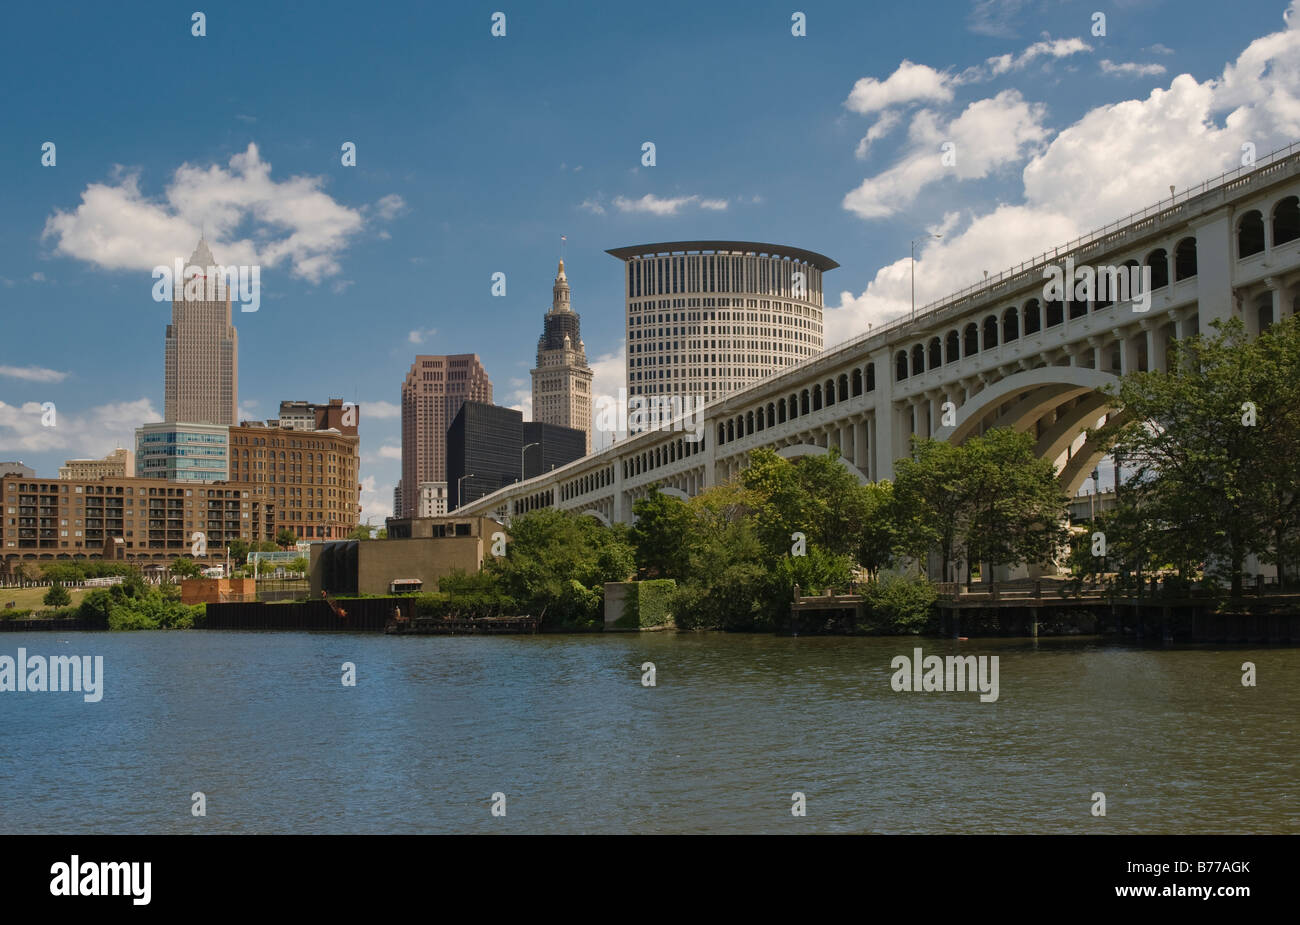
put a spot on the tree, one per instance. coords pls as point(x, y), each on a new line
point(877, 533)
point(815, 496)
point(932, 502)
point(1017, 508)
point(1211, 445)
point(20, 573)
point(662, 535)
point(239, 550)
point(1276, 500)
point(285, 538)
point(361, 532)
point(989, 498)
point(549, 550)
point(728, 580)
point(299, 564)
point(185, 568)
point(57, 596)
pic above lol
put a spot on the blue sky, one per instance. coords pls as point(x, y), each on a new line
point(475, 153)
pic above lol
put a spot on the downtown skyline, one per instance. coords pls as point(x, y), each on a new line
point(366, 267)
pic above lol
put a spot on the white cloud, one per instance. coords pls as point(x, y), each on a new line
point(520, 397)
point(390, 206)
point(993, 17)
point(909, 83)
point(882, 127)
point(376, 501)
point(90, 433)
point(38, 277)
point(593, 206)
point(610, 378)
point(118, 227)
point(989, 134)
point(1116, 159)
point(1051, 48)
point(1160, 49)
point(380, 409)
point(1130, 69)
point(33, 373)
point(419, 336)
point(387, 451)
point(655, 205)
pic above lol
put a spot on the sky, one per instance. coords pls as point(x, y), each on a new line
point(475, 153)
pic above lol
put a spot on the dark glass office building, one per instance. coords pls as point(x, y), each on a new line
point(483, 451)
point(554, 446)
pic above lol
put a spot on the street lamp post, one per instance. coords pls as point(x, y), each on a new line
point(914, 240)
point(460, 498)
point(521, 458)
point(1096, 486)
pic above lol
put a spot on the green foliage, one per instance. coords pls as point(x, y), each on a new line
point(134, 605)
point(1211, 452)
point(186, 568)
point(649, 603)
point(898, 604)
point(74, 571)
point(661, 535)
point(299, 564)
point(816, 496)
point(57, 596)
point(466, 595)
point(362, 532)
point(559, 562)
point(239, 550)
point(284, 537)
point(990, 499)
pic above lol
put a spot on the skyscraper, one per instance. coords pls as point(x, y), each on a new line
point(705, 318)
point(434, 390)
point(202, 354)
point(562, 379)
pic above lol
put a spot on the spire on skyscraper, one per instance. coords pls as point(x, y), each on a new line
point(560, 295)
point(202, 256)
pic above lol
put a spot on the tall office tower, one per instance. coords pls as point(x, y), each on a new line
point(705, 318)
point(202, 357)
point(562, 379)
point(397, 499)
point(432, 394)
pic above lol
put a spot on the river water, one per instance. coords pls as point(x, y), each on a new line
point(563, 727)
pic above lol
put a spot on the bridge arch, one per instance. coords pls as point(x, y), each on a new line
point(806, 449)
point(1046, 387)
point(592, 512)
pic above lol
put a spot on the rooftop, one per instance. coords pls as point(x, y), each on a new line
point(820, 261)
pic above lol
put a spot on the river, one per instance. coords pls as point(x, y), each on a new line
point(563, 727)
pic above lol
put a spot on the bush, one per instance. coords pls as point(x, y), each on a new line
point(648, 604)
point(900, 605)
point(57, 596)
